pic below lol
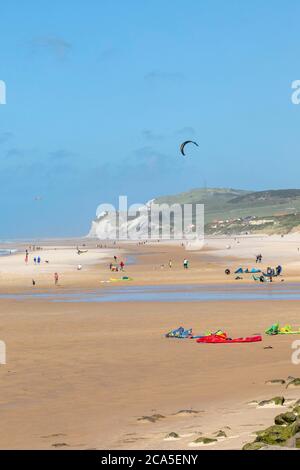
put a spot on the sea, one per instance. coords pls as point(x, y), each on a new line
point(6, 252)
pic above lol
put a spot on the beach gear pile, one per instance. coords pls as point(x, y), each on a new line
point(241, 270)
point(217, 337)
point(270, 271)
point(257, 274)
point(284, 330)
point(124, 278)
point(247, 271)
point(261, 278)
point(222, 337)
point(180, 333)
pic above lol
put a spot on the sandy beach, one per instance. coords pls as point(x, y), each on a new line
point(101, 375)
point(150, 229)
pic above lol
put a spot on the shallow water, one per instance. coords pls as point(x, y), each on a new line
point(178, 293)
point(6, 252)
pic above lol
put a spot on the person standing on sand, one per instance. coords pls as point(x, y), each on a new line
point(170, 263)
point(122, 265)
point(26, 257)
point(56, 278)
point(185, 263)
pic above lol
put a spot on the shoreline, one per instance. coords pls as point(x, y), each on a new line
point(81, 374)
point(151, 264)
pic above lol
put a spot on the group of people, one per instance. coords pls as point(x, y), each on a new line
point(37, 260)
point(185, 264)
point(274, 271)
point(117, 266)
point(271, 272)
point(34, 248)
point(56, 279)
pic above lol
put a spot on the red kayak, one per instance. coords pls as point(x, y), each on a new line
point(224, 339)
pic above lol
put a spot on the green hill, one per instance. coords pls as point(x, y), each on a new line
point(230, 210)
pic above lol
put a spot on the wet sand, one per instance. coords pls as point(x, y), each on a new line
point(80, 375)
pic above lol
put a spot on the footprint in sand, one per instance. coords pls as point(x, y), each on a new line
point(269, 405)
point(53, 435)
point(150, 419)
point(294, 383)
point(275, 382)
point(190, 434)
point(173, 436)
point(217, 436)
point(132, 440)
point(60, 444)
point(187, 413)
point(275, 402)
point(249, 425)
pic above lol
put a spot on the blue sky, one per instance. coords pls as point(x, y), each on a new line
point(100, 93)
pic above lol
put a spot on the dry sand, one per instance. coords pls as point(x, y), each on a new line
point(80, 375)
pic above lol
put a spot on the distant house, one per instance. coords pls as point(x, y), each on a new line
point(261, 222)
